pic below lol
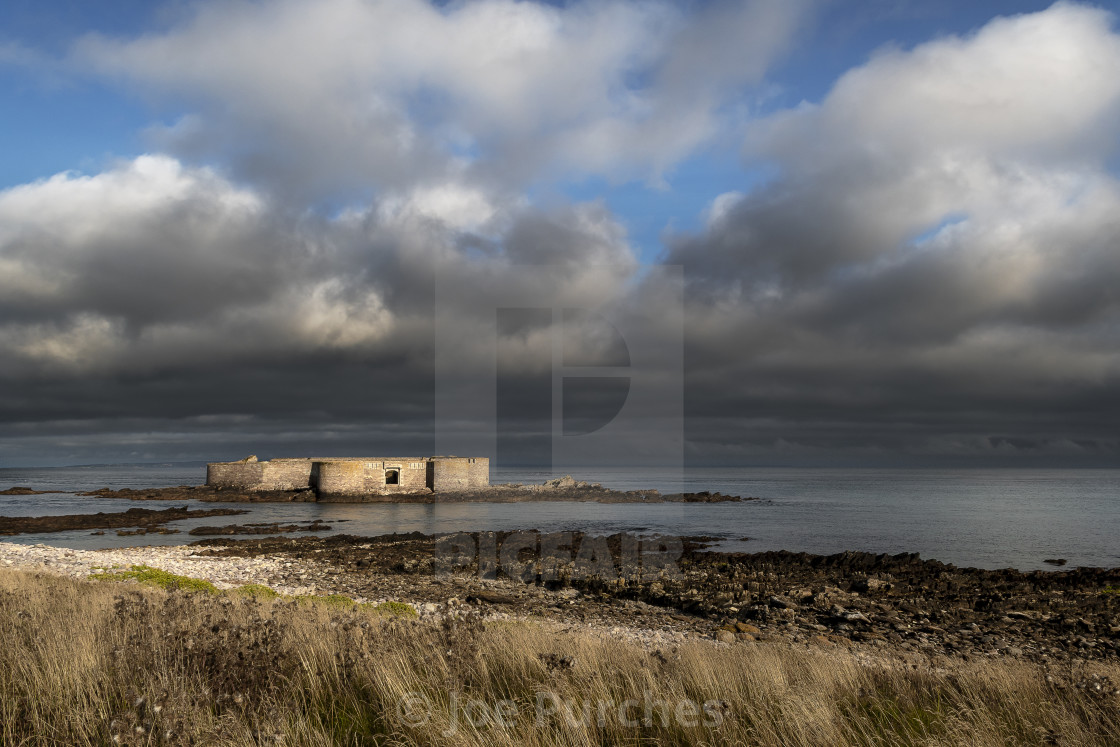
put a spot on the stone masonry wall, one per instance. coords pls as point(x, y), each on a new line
point(342, 478)
point(459, 473)
point(286, 475)
point(352, 476)
point(369, 477)
point(245, 475)
point(413, 476)
point(479, 472)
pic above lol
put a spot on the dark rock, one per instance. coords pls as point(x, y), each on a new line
point(133, 517)
point(234, 529)
point(490, 598)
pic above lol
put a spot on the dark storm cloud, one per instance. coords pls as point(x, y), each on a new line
point(934, 269)
point(161, 297)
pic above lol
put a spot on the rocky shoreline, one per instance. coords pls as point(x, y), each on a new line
point(562, 489)
point(896, 602)
point(897, 605)
point(149, 520)
point(18, 490)
point(261, 529)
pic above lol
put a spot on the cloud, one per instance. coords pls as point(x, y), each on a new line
point(148, 241)
point(155, 293)
point(939, 244)
point(340, 96)
point(1035, 86)
point(154, 254)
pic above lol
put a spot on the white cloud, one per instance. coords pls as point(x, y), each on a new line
point(1035, 87)
point(459, 207)
point(149, 219)
point(333, 95)
point(152, 262)
point(720, 207)
point(1007, 125)
point(71, 205)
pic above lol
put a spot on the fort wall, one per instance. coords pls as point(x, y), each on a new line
point(413, 476)
point(234, 474)
point(459, 473)
point(342, 478)
point(353, 476)
point(286, 475)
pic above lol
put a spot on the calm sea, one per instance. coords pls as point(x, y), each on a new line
point(983, 518)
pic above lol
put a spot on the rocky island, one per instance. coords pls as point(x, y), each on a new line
point(565, 488)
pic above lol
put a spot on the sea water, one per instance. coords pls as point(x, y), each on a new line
point(971, 517)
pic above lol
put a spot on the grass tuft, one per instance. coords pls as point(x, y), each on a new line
point(259, 591)
point(397, 608)
point(156, 577)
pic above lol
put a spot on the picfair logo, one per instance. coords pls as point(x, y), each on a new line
point(541, 381)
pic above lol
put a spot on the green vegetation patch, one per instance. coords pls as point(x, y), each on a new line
point(145, 574)
point(336, 600)
point(397, 608)
point(257, 590)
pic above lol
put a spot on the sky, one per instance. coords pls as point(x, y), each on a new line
point(233, 227)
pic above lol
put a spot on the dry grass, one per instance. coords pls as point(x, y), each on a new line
point(98, 663)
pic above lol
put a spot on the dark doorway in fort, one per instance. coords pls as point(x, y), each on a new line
point(392, 477)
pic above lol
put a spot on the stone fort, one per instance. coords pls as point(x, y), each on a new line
point(353, 476)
